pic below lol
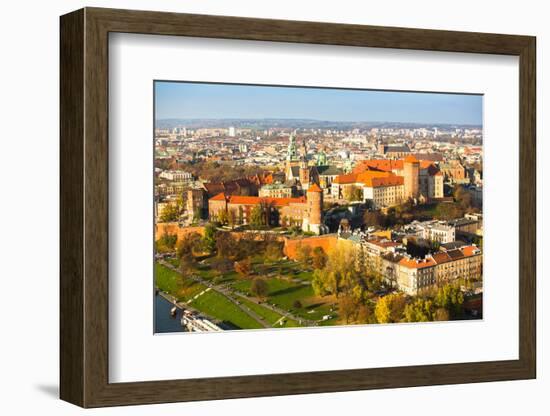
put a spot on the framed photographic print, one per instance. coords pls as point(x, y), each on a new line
point(257, 207)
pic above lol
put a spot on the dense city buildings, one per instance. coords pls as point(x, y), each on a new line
point(288, 222)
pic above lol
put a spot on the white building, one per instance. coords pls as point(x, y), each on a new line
point(176, 175)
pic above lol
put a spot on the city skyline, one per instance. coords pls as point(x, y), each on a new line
point(187, 100)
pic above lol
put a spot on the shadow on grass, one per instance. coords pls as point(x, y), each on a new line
point(314, 305)
point(285, 291)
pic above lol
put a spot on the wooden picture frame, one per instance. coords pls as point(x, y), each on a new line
point(84, 207)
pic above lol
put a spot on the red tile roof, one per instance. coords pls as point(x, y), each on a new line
point(416, 264)
point(387, 181)
point(362, 178)
point(314, 188)
point(470, 251)
point(255, 200)
point(441, 257)
point(388, 165)
point(218, 197)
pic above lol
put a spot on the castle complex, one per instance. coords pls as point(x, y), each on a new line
point(385, 182)
point(305, 212)
point(298, 201)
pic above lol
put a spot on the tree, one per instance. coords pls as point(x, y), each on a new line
point(353, 193)
point(451, 298)
point(364, 315)
point(243, 267)
point(209, 238)
point(232, 218)
point(463, 197)
point(259, 287)
point(166, 242)
point(188, 246)
point(222, 217)
point(340, 273)
point(171, 212)
point(222, 265)
point(448, 211)
point(197, 214)
point(226, 246)
point(390, 308)
point(273, 251)
point(186, 267)
point(240, 216)
point(374, 219)
point(441, 314)
point(260, 214)
point(347, 308)
point(319, 258)
point(303, 253)
point(297, 304)
point(319, 283)
point(420, 310)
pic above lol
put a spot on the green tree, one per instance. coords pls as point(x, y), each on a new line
point(257, 216)
point(303, 253)
point(463, 197)
point(347, 309)
point(451, 298)
point(166, 242)
point(222, 217)
point(189, 245)
point(226, 245)
point(441, 314)
point(171, 212)
point(232, 218)
point(209, 238)
point(259, 288)
point(273, 251)
point(353, 193)
point(365, 315)
point(341, 272)
point(319, 282)
point(319, 258)
point(421, 310)
point(240, 217)
point(390, 308)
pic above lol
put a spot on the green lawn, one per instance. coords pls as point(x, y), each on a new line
point(219, 307)
point(268, 314)
point(283, 294)
point(211, 303)
point(172, 282)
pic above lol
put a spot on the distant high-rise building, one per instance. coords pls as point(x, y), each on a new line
point(231, 131)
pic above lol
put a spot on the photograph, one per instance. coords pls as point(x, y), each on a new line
point(287, 206)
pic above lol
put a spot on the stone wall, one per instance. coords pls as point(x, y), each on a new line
point(326, 242)
point(173, 228)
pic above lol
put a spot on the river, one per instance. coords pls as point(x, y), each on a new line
point(164, 322)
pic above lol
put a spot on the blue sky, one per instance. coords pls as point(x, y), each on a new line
point(196, 100)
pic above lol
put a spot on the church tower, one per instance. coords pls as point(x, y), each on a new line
point(304, 168)
point(315, 209)
point(411, 169)
point(322, 157)
point(291, 156)
point(292, 151)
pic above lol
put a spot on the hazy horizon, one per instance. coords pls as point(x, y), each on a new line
point(210, 101)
